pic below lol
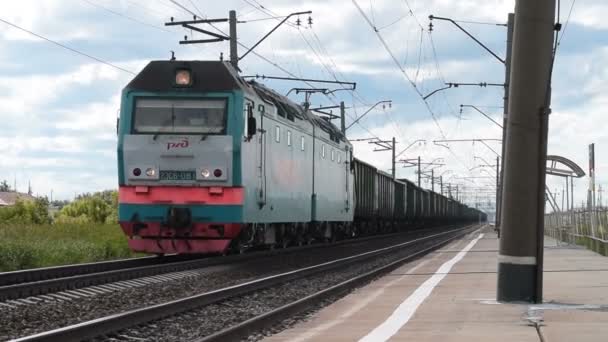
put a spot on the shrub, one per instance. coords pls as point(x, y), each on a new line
point(27, 212)
point(29, 246)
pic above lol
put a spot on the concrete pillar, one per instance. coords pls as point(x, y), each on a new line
point(520, 255)
point(510, 25)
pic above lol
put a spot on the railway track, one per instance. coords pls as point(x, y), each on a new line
point(405, 251)
point(27, 283)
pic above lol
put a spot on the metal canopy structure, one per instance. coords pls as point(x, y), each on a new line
point(563, 167)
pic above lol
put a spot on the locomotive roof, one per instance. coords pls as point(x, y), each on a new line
point(207, 76)
point(295, 110)
point(218, 76)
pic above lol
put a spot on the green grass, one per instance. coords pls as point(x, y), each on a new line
point(31, 246)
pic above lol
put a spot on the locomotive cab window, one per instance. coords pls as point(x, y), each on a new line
point(178, 116)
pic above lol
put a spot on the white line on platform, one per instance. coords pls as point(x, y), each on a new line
point(309, 334)
point(408, 307)
point(516, 260)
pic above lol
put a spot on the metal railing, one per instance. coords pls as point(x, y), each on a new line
point(583, 226)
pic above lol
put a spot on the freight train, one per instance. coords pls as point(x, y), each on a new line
point(211, 163)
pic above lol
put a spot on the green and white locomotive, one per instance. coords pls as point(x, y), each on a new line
point(209, 162)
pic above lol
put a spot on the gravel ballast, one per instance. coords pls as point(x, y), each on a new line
point(43, 316)
point(210, 319)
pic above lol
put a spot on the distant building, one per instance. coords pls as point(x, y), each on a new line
point(9, 198)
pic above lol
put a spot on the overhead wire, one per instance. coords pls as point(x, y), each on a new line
point(407, 77)
point(97, 59)
point(566, 24)
point(328, 68)
point(127, 17)
point(411, 11)
point(276, 65)
point(394, 58)
point(393, 22)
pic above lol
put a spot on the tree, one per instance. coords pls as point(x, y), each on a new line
point(4, 187)
point(100, 207)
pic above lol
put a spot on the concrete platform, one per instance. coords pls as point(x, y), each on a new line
point(450, 296)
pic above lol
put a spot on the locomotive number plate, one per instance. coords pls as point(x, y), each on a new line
point(177, 175)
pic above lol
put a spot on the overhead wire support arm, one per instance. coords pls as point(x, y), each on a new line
point(352, 84)
point(195, 21)
point(410, 145)
point(369, 110)
point(431, 17)
point(449, 85)
point(271, 31)
point(482, 113)
point(458, 84)
point(307, 90)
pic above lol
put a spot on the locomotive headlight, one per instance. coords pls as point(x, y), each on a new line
point(150, 172)
point(205, 173)
point(183, 77)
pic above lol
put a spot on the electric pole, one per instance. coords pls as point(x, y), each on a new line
point(232, 36)
point(520, 257)
point(234, 56)
point(393, 159)
point(510, 24)
point(497, 192)
point(418, 171)
point(384, 145)
point(343, 119)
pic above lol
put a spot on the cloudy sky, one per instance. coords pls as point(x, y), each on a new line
point(59, 108)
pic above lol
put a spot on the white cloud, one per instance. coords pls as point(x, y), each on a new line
point(39, 101)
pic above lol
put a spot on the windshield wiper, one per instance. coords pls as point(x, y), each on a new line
point(162, 126)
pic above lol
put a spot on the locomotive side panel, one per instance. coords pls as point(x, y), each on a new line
point(278, 161)
point(331, 180)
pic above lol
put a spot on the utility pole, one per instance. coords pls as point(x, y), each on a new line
point(418, 163)
point(234, 55)
point(441, 184)
point(343, 120)
point(592, 187)
point(419, 171)
point(393, 159)
point(384, 145)
point(497, 191)
point(510, 24)
point(433, 180)
point(520, 257)
point(232, 37)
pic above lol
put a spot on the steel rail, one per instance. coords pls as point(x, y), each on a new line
point(255, 324)
point(117, 322)
point(44, 273)
point(58, 278)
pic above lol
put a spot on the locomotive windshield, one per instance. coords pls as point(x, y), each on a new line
point(158, 116)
